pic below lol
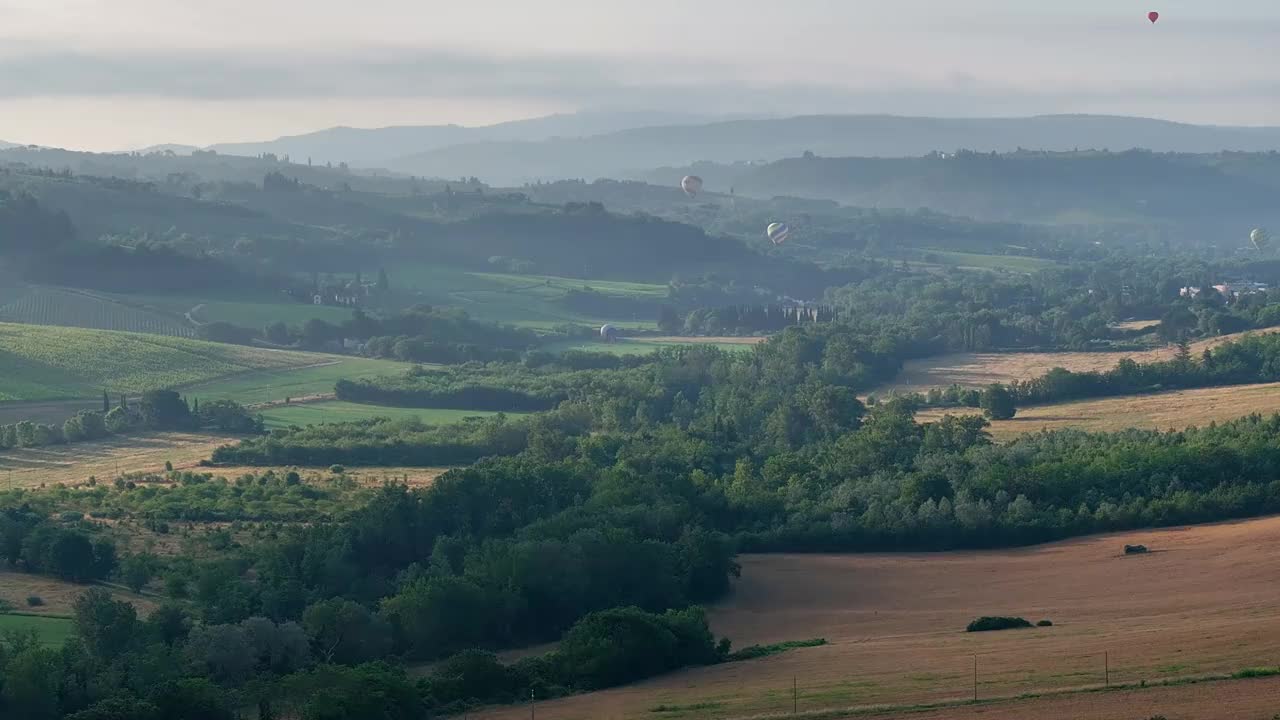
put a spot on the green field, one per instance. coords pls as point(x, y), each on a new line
point(337, 411)
point(262, 314)
point(39, 305)
point(524, 300)
point(53, 363)
point(240, 309)
point(51, 631)
point(1012, 263)
point(293, 382)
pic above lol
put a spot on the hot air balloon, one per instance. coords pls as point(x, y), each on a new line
point(1153, 16)
point(1259, 238)
point(691, 185)
point(608, 333)
point(778, 233)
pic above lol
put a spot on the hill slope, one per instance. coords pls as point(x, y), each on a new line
point(49, 363)
point(611, 155)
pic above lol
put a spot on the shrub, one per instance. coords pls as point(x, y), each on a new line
point(986, 624)
point(5, 606)
point(1256, 672)
point(759, 651)
point(1045, 623)
point(337, 469)
point(1135, 549)
point(34, 601)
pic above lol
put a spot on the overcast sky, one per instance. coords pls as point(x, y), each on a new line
point(115, 74)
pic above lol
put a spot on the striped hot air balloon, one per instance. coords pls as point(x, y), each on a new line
point(691, 185)
point(778, 233)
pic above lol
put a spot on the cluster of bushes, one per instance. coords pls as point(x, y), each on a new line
point(406, 441)
point(604, 649)
point(33, 542)
point(157, 410)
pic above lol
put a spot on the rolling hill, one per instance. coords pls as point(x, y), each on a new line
point(50, 363)
point(374, 147)
point(627, 152)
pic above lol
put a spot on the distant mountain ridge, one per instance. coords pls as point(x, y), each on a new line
point(376, 147)
point(627, 153)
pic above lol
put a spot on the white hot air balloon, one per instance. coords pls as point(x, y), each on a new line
point(608, 333)
point(691, 185)
point(1259, 239)
point(778, 233)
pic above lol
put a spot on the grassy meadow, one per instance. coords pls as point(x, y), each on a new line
point(523, 300)
point(51, 363)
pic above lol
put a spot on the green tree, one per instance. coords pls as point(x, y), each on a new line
point(344, 632)
point(164, 410)
point(137, 570)
point(998, 403)
point(107, 626)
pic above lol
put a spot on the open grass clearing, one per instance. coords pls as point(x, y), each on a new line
point(333, 411)
point(980, 369)
point(57, 596)
point(1202, 604)
point(1136, 325)
point(1010, 263)
point(274, 385)
point(531, 301)
point(104, 459)
point(1174, 410)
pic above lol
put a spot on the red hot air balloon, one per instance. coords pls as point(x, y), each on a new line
point(1153, 16)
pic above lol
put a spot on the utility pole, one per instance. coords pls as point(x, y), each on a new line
point(1106, 665)
point(795, 696)
point(975, 678)
point(533, 706)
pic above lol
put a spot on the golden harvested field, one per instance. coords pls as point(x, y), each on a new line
point(979, 369)
point(1175, 410)
point(1202, 603)
point(1136, 324)
point(104, 459)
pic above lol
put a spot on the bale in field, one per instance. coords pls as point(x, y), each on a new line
point(1135, 549)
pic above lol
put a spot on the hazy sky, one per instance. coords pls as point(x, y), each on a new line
point(114, 74)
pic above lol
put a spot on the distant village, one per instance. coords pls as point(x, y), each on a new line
point(1229, 291)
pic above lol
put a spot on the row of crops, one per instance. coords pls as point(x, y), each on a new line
point(71, 308)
